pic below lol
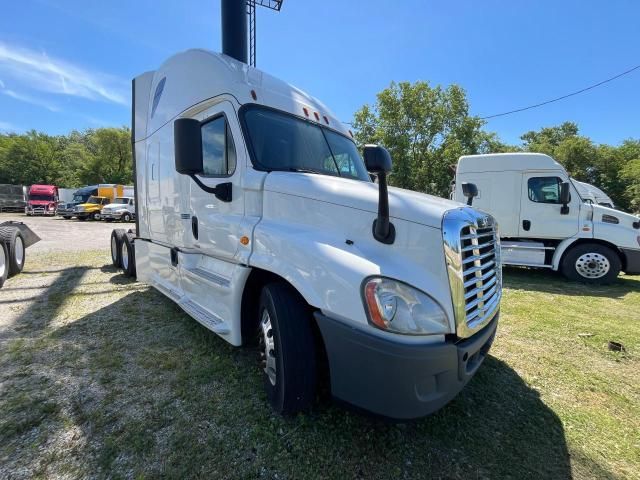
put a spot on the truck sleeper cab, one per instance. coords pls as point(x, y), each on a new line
point(42, 200)
point(545, 222)
point(256, 214)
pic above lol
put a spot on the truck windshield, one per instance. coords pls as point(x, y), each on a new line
point(40, 197)
point(79, 198)
point(96, 200)
point(121, 201)
point(283, 142)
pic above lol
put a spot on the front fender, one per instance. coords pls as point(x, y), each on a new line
point(328, 271)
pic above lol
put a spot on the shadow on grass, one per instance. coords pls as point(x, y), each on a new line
point(544, 280)
point(152, 393)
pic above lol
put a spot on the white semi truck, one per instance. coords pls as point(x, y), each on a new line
point(543, 220)
point(257, 215)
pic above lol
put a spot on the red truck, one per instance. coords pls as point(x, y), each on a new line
point(42, 200)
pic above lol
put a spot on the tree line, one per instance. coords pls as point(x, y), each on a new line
point(426, 128)
point(101, 155)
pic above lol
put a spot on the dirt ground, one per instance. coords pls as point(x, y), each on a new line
point(56, 233)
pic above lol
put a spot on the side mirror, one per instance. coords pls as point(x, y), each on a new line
point(565, 198)
point(187, 140)
point(469, 190)
point(377, 159)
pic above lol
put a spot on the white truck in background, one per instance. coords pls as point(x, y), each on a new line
point(592, 194)
point(121, 209)
point(543, 220)
point(257, 215)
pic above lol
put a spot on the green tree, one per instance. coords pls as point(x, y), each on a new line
point(425, 129)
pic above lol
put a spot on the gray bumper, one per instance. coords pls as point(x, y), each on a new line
point(632, 261)
point(397, 379)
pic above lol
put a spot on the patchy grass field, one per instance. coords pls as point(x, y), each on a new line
point(104, 377)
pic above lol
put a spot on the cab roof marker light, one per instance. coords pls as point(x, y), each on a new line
point(315, 114)
point(254, 95)
point(306, 112)
point(326, 119)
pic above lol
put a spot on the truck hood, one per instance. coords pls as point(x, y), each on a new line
point(115, 206)
point(403, 204)
point(624, 219)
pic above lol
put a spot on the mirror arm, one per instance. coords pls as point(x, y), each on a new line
point(383, 229)
point(222, 191)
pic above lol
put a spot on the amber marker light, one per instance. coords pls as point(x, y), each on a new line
point(372, 303)
point(244, 240)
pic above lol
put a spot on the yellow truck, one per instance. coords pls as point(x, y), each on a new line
point(91, 209)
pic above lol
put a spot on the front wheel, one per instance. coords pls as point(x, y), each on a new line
point(591, 263)
point(126, 217)
point(287, 349)
point(95, 216)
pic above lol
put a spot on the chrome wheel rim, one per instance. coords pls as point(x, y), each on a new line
point(3, 262)
point(114, 249)
point(268, 347)
point(592, 265)
point(19, 250)
point(125, 256)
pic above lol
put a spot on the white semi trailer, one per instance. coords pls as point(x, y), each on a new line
point(257, 215)
point(543, 220)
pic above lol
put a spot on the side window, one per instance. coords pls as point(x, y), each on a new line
point(218, 150)
point(544, 189)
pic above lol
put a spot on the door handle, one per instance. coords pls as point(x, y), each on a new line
point(194, 226)
point(526, 225)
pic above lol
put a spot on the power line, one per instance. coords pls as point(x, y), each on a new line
point(562, 97)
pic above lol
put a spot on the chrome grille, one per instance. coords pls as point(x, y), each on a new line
point(472, 251)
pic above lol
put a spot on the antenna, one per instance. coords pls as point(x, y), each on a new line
point(251, 11)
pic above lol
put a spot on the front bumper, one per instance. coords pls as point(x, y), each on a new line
point(396, 379)
point(632, 263)
point(112, 216)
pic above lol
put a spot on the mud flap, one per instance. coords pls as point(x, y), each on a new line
point(29, 236)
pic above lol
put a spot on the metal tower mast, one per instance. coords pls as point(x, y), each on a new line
point(251, 11)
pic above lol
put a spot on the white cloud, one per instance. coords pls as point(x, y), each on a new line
point(7, 127)
point(40, 72)
point(29, 99)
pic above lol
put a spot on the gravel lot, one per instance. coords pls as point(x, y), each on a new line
point(58, 234)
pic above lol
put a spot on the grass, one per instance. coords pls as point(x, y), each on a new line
point(103, 377)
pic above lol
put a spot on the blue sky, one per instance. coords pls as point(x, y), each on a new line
point(67, 64)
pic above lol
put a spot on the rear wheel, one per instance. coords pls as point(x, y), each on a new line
point(14, 243)
point(4, 267)
point(127, 253)
point(591, 263)
point(287, 349)
point(116, 241)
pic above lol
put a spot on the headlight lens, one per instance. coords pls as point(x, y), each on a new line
point(397, 307)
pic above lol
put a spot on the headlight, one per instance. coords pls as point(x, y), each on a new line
point(396, 307)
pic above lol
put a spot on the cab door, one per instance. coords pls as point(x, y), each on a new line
point(540, 207)
point(216, 223)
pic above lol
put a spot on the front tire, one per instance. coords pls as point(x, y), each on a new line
point(287, 349)
point(126, 217)
point(95, 216)
point(15, 247)
point(591, 263)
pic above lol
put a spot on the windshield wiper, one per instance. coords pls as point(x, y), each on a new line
point(304, 170)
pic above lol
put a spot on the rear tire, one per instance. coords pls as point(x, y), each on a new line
point(4, 266)
point(116, 244)
point(591, 263)
point(13, 240)
point(287, 348)
point(128, 255)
